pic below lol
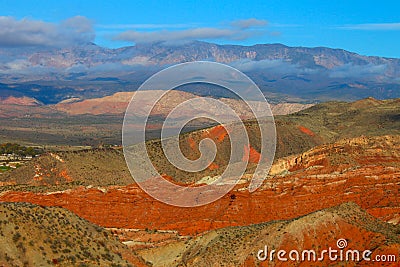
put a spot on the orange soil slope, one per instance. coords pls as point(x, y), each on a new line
point(317, 179)
point(319, 231)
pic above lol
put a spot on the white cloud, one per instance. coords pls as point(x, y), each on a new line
point(249, 23)
point(237, 30)
point(271, 65)
point(140, 26)
point(17, 64)
point(29, 32)
point(372, 27)
point(350, 70)
point(178, 36)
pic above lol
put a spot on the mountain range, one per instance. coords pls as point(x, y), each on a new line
point(284, 74)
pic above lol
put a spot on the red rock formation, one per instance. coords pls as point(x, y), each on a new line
point(217, 133)
point(318, 179)
point(342, 230)
point(282, 198)
point(306, 130)
point(19, 101)
point(213, 166)
point(251, 155)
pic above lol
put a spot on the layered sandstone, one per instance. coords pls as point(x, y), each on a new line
point(362, 170)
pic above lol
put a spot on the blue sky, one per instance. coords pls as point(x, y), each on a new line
point(365, 27)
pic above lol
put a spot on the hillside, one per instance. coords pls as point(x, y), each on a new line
point(363, 170)
point(118, 102)
point(19, 101)
point(46, 236)
point(296, 133)
point(12, 107)
point(238, 246)
point(325, 122)
point(336, 120)
point(95, 121)
point(87, 167)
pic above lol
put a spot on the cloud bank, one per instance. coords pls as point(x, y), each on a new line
point(278, 66)
point(28, 32)
point(237, 30)
point(351, 70)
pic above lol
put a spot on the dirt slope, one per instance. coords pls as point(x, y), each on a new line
point(239, 246)
point(46, 236)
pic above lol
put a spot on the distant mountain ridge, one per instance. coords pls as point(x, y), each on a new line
point(283, 73)
point(161, 54)
point(116, 104)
